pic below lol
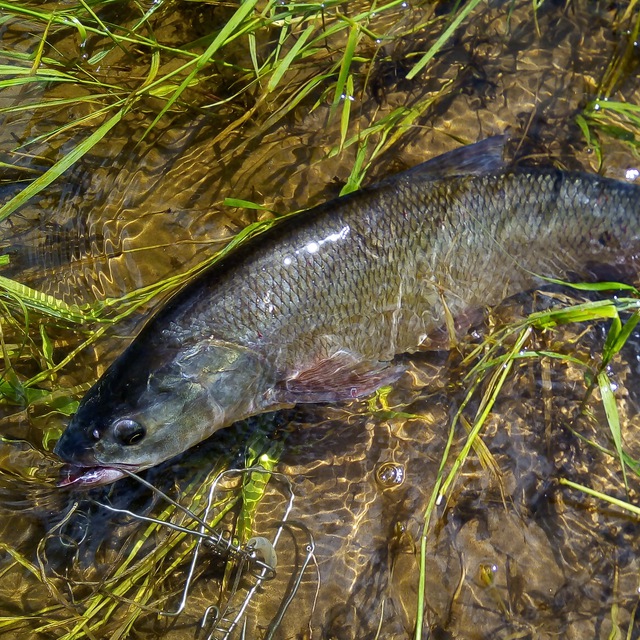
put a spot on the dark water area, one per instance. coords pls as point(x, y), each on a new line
point(512, 552)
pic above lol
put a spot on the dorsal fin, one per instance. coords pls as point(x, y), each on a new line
point(482, 157)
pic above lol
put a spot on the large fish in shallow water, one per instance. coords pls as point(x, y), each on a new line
point(317, 308)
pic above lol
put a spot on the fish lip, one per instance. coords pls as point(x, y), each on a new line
point(88, 476)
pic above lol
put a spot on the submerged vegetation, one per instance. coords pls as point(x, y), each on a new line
point(85, 73)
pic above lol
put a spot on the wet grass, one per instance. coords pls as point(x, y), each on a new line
point(274, 79)
point(142, 578)
point(490, 365)
point(608, 115)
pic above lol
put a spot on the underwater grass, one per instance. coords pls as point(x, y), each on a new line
point(138, 584)
point(618, 120)
point(608, 114)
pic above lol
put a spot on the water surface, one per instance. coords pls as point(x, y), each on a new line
point(512, 553)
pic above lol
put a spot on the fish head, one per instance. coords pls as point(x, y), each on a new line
point(146, 409)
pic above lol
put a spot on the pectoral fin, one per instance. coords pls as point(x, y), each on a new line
point(341, 377)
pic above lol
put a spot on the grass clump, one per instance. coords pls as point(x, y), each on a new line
point(608, 113)
point(174, 78)
point(151, 572)
point(491, 363)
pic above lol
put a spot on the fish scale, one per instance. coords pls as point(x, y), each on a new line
point(317, 308)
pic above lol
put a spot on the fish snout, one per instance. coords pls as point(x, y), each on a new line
point(75, 447)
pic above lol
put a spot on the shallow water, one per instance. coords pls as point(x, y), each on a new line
point(513, 554)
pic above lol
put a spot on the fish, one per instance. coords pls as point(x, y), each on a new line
point(322, 307)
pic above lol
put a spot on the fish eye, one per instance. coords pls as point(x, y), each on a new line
point(128, 432)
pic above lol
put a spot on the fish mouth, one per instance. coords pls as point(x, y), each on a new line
point(88, 477)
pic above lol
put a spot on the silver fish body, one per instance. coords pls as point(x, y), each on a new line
point(316, 309)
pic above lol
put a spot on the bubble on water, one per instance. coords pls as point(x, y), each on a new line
point(390, 474)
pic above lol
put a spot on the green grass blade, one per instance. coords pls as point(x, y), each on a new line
point(356, 176)
point(622, 336)
point(601, 310)
point(608, 351)
point(61, 102)
point(345, 65)
point(229, 29)
point(255, 483)
point(37, 58)
point(592, 141)
point(47, 346)
point(244, 204)
point(631, 508)
point(345, 117)
point(43, 302)
point(286, 62)
point(446, 34)
point(61, 166)
point(597, 286)
point(611, 411)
